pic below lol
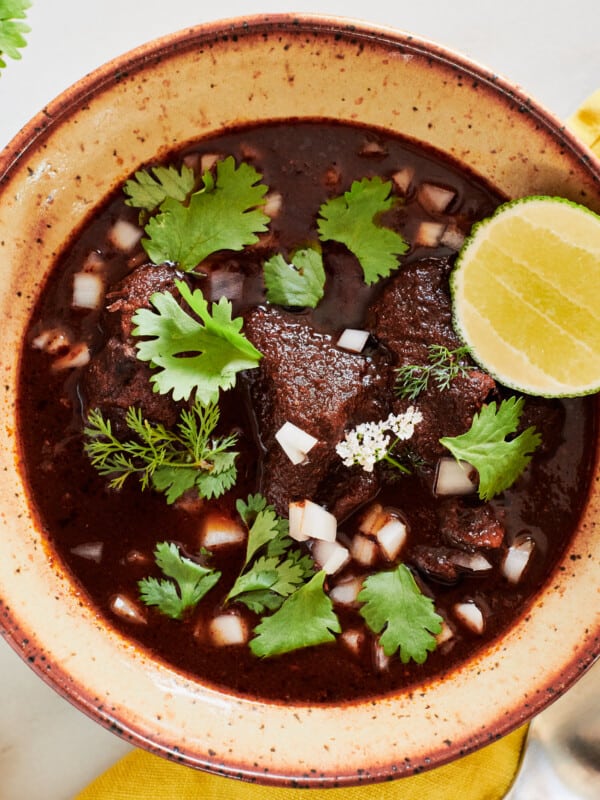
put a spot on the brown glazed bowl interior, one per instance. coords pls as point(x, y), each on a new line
point(52, 177)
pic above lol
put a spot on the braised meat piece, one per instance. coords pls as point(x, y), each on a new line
point(303, 378)
point(115, 379)
point(471, 527)
point(436, 563)
point(414, 309)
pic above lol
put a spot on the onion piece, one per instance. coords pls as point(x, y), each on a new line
point(472, 561)
point(470, 615)
point(77, 356)
point(52, 340)
point(391, 537)
point(219, 530)
point(453, 237)
point(371, 148)
point(381, 662)
point(124, 235)
point(454, 477)
point(345, 592)
point(429, 234)
point(273, 204)
point(403, 178)
point(224, 283)
point(91, 551)
point(295, 442)
point(373, 520)
point(330, 556)
point(434, 198)
point(363, 550)
point(311, 521)
point(228, 629)
point(353, 339)
point(127, 609)
point(207, 161)
point(445, 634)
point(88, 290)
point(353, 639)
point(517, 558)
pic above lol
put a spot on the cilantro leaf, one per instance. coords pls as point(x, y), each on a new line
point(149, 188)
point(11, 30)
point(299, 284)
point(498, 461)
point(191, 581)
point(305, 619)
point(352, 220)
point(394, 604)
point(202, 356)
point(224, 214)
point(170, 461)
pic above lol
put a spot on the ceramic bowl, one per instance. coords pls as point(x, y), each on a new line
point(52, 176)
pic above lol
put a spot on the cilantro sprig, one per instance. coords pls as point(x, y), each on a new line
point(353, 220)
point(223, 214)
point(191, 582)
point(498, 460)
point(12, 30)
point(299, 284)
point(443, 367)
point(192, 355)
point(169, 461)
point(395, 607)
point(274, 567)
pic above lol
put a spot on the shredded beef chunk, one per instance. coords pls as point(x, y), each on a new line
point(471, 528)
point(303, 378)
point(115, 379)
point(413, 310)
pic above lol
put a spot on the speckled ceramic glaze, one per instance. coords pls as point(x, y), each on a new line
point(57, 171)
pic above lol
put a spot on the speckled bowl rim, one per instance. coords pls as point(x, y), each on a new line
point(303, 763)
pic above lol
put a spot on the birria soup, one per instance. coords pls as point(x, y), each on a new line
point(246, 416)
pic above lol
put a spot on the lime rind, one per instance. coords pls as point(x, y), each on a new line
point(514, 367)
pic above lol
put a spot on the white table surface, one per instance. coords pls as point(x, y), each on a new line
point(48, 749)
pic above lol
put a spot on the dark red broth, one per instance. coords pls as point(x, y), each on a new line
point(307, 162)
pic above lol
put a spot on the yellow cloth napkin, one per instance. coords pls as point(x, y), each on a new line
point(483, 775)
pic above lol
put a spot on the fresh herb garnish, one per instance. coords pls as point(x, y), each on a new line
point(394, 604)
point(149, 188)
point(170, 461)
point(352, 219)
point(299, 284)
point(305, 619)
point(11, 29)
point(444, 366)
point(191, 581)
point(224, 214)
point(274, 566)
point(498, 461)
point(371, 442)
point(191, 355)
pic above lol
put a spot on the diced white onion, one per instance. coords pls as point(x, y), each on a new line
point(363, 550)
point(453, 238)
point(372, 149)
point(429, 234)
point(127, 609)
point(207, 161)
point(311, 521)
point(391, 537)
point(77, 356)
point(381, 662)
point(88, 290)
point(295, 442)
point(472, 561)
point(51, 340)
point(373, 519)
point(228, 629)
point(403, 179)
point(445, 634)
point(353, 640)
point(124, 235)
point(353, 339)
point(137, 558)
point(345, 592)
point(93, 262)
point(435, 198)
point(91, 551)
point(221, 531)
point(470, 615)
point(224, 283)
point(516, 559)
point(273, 203)
point(330, 556)
point(455, 477)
